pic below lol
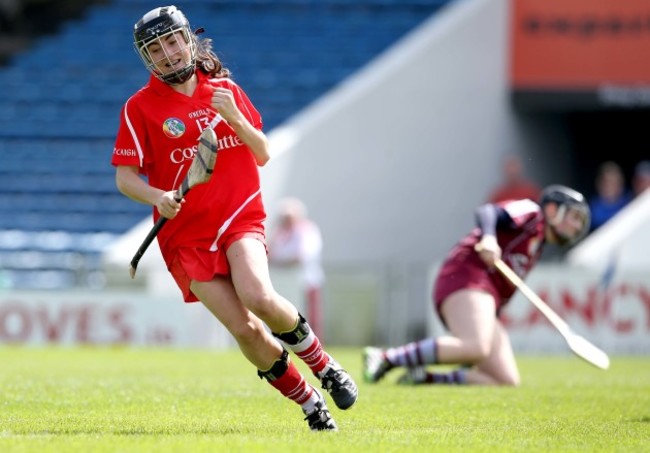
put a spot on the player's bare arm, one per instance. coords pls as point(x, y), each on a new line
point(224, 102)
point(129, 183)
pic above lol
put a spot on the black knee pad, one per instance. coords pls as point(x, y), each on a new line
point(296, 335)
point(279, 367)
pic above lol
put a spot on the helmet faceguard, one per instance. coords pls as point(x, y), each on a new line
point(155, 27)
point(566, 200)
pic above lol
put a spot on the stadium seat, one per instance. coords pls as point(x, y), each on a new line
point(63, 96)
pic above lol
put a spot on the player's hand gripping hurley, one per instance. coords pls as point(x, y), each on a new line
point(579, 345)
point(199, 172)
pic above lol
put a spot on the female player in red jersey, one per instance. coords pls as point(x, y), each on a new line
point(469, 293)
point(214, 243)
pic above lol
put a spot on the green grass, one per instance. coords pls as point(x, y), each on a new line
point(154, 400)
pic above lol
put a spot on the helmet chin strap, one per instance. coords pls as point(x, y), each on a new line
point(557, 219)
point(178, 77)
point(562, 240)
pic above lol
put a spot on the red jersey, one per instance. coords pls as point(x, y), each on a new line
point(159, 132)
point(521, 245)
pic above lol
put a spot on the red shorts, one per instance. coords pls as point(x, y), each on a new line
point(202, 265)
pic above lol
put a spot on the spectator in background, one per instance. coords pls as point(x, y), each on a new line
point(641, 177)
point(297, 241)
point(515, 185)
point(611, 195)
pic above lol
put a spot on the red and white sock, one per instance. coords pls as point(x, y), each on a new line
point(293, 385)
point(312, 353)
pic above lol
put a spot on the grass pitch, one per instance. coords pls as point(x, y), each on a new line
point(154, 400)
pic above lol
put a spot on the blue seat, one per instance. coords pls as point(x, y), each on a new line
point(62, 98)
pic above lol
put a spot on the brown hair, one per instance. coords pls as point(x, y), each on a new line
point(208, 61)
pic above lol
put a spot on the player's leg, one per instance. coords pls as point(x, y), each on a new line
point(421, 375)
point(262, 350)
point(500, 365)
point(470, 318)
point(219, 297)
point(377, 362)
point(498, 368)
point(250, 275)
point(469, 315)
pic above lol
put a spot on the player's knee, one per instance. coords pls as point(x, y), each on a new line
point(246, 332)
point(477, 351)
point(509, 381)
point(258, 299)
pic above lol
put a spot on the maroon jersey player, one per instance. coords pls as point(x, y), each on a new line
point(214, 243)
point(469, 293)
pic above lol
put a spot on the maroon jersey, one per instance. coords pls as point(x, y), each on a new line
point(520, 243)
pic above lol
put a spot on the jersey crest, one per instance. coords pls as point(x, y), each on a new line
point(173, 128)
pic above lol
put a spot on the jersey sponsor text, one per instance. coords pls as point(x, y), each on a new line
point(180, 155)
point(124, 152)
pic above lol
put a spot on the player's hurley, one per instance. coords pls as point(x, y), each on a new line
point(579, 345)
point(199, 172)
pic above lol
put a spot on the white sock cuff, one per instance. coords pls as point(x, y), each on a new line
point(305, 344)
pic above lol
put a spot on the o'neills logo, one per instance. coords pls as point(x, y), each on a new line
point(126, 152)
point(173, 128)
